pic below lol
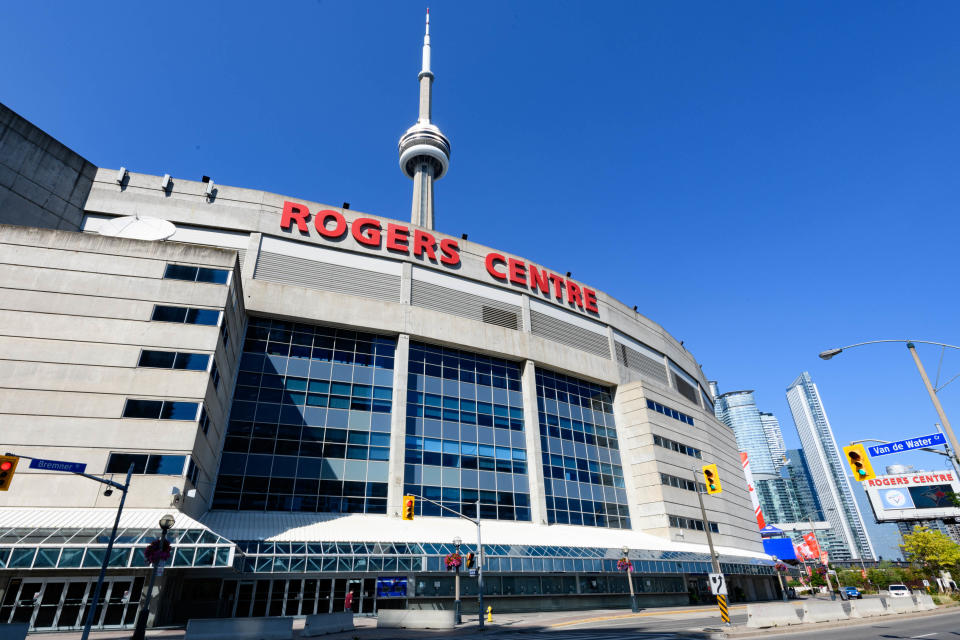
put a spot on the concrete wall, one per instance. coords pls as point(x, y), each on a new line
point(75, 314)
point(42, 182)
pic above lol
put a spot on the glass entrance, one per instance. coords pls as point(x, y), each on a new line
point(51, 604)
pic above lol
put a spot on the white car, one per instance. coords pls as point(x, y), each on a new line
point(898, 591)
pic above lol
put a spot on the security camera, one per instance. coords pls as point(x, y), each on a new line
point(108, 492)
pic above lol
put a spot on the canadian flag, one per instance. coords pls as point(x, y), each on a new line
point(745, 462)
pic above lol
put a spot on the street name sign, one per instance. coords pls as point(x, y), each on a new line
point(907, 445)
point(58, 465)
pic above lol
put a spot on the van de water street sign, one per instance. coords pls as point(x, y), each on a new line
point(58, 465)
point(907, 445)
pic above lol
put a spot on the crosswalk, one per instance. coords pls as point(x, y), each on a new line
point(598, 634)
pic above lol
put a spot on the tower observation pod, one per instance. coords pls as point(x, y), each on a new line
point(424, 150)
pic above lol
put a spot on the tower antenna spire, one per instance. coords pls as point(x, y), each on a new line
point(424, 150)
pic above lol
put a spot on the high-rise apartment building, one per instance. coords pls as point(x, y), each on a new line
point(771, 429)
point(738, 410)
point(827, 469)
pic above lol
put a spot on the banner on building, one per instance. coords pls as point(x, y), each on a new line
point(752, 490)
point(921, 495)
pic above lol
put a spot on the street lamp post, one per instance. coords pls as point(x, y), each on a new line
point(948, 430)
point(629, 569)
point(166, 523)
point(456, 606)
point(783, 592)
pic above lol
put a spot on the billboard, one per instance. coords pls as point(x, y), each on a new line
point(921, 495)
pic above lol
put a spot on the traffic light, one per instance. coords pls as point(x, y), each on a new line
point(408, 503)
point(470, 560)
point(8, 465)
point(711, 478)
point(859, 462)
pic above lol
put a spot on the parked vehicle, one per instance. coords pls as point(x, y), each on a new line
point(898, 591)
point(853, 592)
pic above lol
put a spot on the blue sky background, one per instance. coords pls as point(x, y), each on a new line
point(765, 180)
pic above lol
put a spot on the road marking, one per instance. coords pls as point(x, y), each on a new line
point(925, 635)
point(637, 615)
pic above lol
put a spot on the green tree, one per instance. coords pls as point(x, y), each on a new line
point(931, 550)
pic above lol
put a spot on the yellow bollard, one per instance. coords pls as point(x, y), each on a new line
point(489, 614)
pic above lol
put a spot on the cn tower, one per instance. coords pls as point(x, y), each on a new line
point(424, 150)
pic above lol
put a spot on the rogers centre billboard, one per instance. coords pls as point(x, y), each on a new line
point(922, 495)
point(371, 233)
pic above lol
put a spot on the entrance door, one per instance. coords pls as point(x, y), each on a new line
point(244, 600)
point(48, 606)
point(73, 599)
point(368, 597)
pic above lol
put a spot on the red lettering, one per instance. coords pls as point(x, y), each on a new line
point(557, 285)
point(423, 242)
point(320, 222)
point(573, 294)
point(397, 238)
point(590, 300)
point(293, 212)
point(518, 271)
point(451, 251)
point(491, 262)
point(539, 280)
point(367, 231)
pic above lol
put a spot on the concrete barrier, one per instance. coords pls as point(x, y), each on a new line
point(240, 629)
point(323, 623)
point(415, 619)
point(900, 605)
point(14, 631)
point(924, 601)
point(772, 614)
point(868, 608)
point(824, 611)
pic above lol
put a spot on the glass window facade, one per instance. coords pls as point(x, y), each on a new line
point(465, 437)
point(310, 424)
point(583, 476)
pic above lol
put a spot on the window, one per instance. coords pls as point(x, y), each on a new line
point(174, 360)
point(670, 413)
point(160, 409)
point(682, 483)
point(215, 375)
point(146, 464)
point(193, 473)
point(204, 420)
point(187, 315)
point(225, 336)
point(666, 443)
point(196, 274)
point(679, 522)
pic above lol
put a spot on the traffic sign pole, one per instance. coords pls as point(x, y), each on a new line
point(713, 555)
point(724, 613)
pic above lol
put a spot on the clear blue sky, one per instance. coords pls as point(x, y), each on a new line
point(765, 180)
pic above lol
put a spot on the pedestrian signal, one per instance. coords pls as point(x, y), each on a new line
point(712, 479)
point(8, 465)
point(859, 462)
point(408, 504)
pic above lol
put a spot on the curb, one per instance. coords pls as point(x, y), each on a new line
point(744, 632)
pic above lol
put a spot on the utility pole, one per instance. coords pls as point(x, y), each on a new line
point(721, 599)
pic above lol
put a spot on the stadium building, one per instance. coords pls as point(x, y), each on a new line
point(279, 373)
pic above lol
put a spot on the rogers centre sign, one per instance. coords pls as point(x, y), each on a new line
point(370, 232)
point(914, 480)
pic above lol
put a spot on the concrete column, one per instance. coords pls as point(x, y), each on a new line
point(612, 346)
point(250, 259)
point(526, 324)
point(398, 426)
point(531, 429)
point(406, 283)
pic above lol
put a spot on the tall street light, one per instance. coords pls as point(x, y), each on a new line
point(456, 543)
point(166, 523)
point(948, 430)
point(628, 568)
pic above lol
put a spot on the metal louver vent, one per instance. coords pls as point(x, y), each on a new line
point(466, 305)
point(312, 274)
point(642, 364)
point(686, 389)
point(569, 334)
